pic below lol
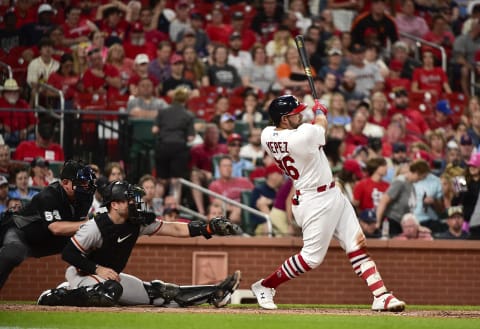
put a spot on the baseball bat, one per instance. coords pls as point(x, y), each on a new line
point(306, 63)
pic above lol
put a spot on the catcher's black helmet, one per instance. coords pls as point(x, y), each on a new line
point(121, 191)
point(284, 105)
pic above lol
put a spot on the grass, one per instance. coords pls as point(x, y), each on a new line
point(222, 320)
point(225, 320)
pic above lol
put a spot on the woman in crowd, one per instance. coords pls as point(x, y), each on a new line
point(116, 57)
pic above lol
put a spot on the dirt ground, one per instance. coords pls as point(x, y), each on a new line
point(243, 310)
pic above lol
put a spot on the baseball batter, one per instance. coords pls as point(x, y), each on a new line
point(320, 209)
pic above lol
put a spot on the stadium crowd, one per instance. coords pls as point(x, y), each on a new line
point(398, 77)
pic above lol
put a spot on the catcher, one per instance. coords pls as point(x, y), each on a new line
point(100, 249)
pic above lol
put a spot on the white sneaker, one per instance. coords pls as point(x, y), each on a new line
point(387, 302)
point(264, 295)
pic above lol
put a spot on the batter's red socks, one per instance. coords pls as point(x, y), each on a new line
point(291, 268)
point(365, 268)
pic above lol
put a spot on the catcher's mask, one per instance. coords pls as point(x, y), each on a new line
point(284, 105)
point(82, 177)
point(123, 191)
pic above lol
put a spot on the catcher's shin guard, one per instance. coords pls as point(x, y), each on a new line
point(103, 294)
point(159, 289)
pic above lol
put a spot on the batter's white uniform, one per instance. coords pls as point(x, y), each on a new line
point(319, 208)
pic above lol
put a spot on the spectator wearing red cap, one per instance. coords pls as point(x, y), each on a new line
point(368, 191)
point(397, 200)
point(239, 165)
point(176, 79)
point(346, 178)
point(137, 42)
point(263, 196)
point(230, 187)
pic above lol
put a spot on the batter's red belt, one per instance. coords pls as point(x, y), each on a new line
point(321, 188)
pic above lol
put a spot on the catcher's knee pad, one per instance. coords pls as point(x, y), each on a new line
point(159, 289)
point(102, 294)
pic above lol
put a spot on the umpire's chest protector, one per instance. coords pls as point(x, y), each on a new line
point(118, 242)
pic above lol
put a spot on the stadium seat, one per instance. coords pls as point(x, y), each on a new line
point(421, 101)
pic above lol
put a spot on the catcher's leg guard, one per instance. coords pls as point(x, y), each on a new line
point(159, 289)
point(102, 294)
point(217, 295)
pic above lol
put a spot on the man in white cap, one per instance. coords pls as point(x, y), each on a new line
point(15, 125)
point(32, 33)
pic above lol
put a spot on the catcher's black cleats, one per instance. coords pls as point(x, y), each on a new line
point(104, 294)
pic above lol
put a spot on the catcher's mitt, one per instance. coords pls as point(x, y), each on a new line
point(221, 226)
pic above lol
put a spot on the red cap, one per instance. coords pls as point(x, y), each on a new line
point(234, 138)
point(273, 168)
point(423, 155)
point(354, 167)
point(176, 58)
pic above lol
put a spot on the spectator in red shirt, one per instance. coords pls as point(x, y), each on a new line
point(217, 30)
point(43, 146)
point(65, 79)
point(441, 35)
point(15, 125)
point(230, 187)
point(238, 25)
point(25, 11)
point(415, 121)
point(429, 77)
point(201, 162)
point(100, 78)
point(111, 21)
point(355, 137)
point(116, 57)
point(150, 28)
point(368, 191)
point(137, 43)
point(76, 28)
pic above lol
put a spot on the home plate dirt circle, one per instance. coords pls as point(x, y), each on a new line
point(242, 310)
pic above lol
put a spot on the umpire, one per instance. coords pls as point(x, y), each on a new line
point(44, 225)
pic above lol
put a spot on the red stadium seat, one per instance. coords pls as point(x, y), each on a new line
point(202, 107)
point(422, 102)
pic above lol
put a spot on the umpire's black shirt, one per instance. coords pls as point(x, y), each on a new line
point(48, 206)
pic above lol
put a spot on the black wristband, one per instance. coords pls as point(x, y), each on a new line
point(197, 228)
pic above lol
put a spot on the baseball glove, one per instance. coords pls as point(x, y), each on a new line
point(221, 226)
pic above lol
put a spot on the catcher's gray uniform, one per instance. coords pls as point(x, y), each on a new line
point(89, 238)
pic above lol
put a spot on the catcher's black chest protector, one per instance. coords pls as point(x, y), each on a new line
point(118, 242)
